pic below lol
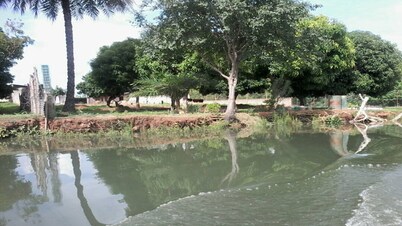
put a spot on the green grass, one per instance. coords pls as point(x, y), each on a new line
point(9, 108)
point(394, 109)
point(85, 110)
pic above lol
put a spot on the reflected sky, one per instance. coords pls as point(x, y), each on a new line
point(106, 185)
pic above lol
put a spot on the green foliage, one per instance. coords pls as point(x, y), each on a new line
point(58, 91)
point(227, 33)
point(9, 108)
point(286, 120)
point(172, 74)
point(378, 64)
point(213, 108)
point(12, 43)
point(20, 131)
point(318, 65)
point(333, 121)
point(113, 70)
point(193, 108)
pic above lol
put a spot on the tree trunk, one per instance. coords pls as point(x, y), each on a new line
point(117, 102)
point(80, 191)
point(232, 83)
point(185, 98)
point(177, 104)
point(69, 105)
point(172, 105)
point(302, 101)
point(137, 102)
point(109, 100)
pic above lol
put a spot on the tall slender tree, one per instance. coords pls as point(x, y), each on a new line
point(70, 9)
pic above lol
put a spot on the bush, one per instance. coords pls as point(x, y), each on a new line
point(213, 108)
point(333, 121)
point(192, 108)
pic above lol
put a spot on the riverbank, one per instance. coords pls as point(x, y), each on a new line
point(138, 123)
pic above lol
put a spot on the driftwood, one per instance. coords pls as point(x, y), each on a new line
point(362, 128)
point(395, 120)
point(363, 118)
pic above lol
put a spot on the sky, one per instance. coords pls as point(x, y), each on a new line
point(49, 46)
point(383, 18)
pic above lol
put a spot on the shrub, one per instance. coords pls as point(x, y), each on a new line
point(213, 108)
point(192, 108)
point(333, 121)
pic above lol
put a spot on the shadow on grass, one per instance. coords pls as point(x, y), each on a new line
point(7, 108)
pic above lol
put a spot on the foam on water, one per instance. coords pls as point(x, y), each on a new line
point(381, 203)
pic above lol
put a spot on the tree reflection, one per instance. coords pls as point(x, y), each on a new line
point(55, 179)
point(40, 164)
point(339, 140)
point(80, 190)
point(12, 187)
point(231, 138)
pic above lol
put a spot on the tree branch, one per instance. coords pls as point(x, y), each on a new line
point(215, 68)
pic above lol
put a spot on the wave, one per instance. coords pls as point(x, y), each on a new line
point(381, 203)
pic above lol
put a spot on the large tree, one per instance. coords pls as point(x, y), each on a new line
point(70, 9)
point(321, 61)
point(227, 32)
point(12, 44)
point(255, 79)
point(113, 71)
point(378, 64)
point(171, 74)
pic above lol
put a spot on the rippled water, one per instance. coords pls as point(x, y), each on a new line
point(265, 179)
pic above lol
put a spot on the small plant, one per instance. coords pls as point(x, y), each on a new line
point(286, 120)
point(333, 121)
point(192, 108)
point(213, 108)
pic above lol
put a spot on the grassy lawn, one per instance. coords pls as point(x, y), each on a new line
point(9, 108)
point(395, 109)
point(105, 110)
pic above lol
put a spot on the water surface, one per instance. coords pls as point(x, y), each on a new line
point(306, 178)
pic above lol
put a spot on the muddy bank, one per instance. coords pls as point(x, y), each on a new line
point(137, 123)
point(86, 124)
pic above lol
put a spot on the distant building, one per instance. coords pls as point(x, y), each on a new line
point(16, 96)
point(46, 79)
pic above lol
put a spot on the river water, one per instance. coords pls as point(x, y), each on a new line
point(306, 178)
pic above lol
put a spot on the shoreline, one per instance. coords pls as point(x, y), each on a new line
point(138, 123)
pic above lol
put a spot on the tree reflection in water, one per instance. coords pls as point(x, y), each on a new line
point(231, 138)
point(339, 140)
point(80, 191)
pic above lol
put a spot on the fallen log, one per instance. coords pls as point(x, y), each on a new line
point(363, 117)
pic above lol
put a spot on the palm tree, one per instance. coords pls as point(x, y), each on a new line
point(70, 8)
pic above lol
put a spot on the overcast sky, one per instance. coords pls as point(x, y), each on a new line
point(380, 17)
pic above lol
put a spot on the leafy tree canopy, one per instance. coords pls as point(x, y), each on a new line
point(12, 43)
point(226, 32)
point(170, 75)
point(378, 64)
point(113, 71)
point(318, 64)
point(58, 91)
